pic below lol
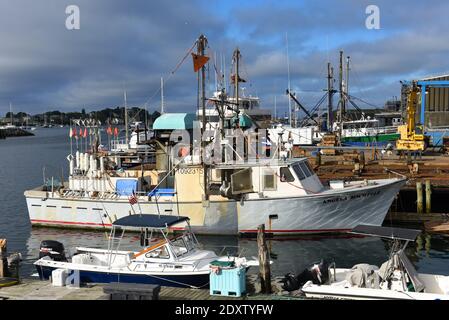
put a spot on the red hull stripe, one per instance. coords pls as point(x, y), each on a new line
point(71, 223)
point(297, 231)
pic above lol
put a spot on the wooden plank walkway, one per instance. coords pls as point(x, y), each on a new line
point(31, 289)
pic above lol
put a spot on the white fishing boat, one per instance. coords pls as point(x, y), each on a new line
point(287, 196)
point(176, 261)
point(395, 279)
point(228, 193)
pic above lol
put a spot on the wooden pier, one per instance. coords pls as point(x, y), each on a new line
point(34, 289)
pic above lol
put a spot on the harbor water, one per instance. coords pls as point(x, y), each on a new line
point(25, 161)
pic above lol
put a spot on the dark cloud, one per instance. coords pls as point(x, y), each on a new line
point(131, 44)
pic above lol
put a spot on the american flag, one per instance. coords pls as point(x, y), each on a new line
point(132, 199)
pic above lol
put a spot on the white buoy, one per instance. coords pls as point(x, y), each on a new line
point(78, 164)
point(102, 165)
point(86, 162)
point(92, 165)
point(72, 166)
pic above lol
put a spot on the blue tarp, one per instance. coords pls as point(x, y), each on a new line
point(162, 192)
point(125, 187)
point(436, 136)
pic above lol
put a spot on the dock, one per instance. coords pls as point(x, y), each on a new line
point(35, 289)
point(14, 132)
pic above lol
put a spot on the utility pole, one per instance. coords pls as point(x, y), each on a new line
point(202, 43)
point(330, 92)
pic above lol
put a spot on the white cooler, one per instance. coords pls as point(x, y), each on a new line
point(58, 277)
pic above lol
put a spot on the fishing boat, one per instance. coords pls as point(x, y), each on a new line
point(366, 131)
point(174, 261)
point(395, 279)
point(229, 193)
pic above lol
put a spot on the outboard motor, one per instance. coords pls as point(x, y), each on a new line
point(290, 282)
point(52, 249)
point(318, 273)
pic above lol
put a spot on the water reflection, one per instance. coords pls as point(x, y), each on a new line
point(430, 253)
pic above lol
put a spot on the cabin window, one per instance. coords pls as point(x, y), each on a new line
point(305, 169)
point(269, 180)
point(286, 175)
point(309, 167)
point(299, 172)
point(158, 253)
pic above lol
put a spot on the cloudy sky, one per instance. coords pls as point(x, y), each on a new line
point(129, 45)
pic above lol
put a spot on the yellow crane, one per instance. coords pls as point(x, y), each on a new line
point(412, 137)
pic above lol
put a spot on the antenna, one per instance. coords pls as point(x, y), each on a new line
point(162, 95)
point(275, 108)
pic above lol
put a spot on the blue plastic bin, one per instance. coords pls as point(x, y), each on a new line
point(228, 282)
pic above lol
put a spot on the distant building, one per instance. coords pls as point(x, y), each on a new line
point(437, 104)
point(393, 105)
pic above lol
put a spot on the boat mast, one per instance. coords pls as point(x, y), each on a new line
point(162, 95)
point(330, 92)
point(236, 58)
point(202, 42)
point(10, 112)
point(347, 77)
point(126, 118)
point(289, 84)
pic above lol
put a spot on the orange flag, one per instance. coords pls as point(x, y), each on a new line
point(81, 133)
point(109, 131)
point(199, 61)
point(85, 133)
point(116, 131)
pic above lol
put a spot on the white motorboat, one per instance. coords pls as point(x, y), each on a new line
point(395, 279)
point(176, 261)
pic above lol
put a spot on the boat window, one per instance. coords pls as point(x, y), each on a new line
point(309, 167)
point(179, 246)
point(269, 180)
point(286, 175)
point(305, 169)
point(299, 172)
point(159, 253)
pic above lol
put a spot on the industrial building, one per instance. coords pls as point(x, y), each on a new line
point(436, 102)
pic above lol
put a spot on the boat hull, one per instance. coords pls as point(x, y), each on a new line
point(88, 276)
point(377, 140)
point(328, 212)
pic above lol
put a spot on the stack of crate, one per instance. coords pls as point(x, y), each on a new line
point(446, 145)
point(329, 140)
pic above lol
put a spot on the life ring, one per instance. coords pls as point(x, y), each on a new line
point(183, 152)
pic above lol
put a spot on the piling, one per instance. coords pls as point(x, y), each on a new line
point(428, 197)
point(318, 159)
point(264, 261)
point(419, 197)
point(3, 259)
